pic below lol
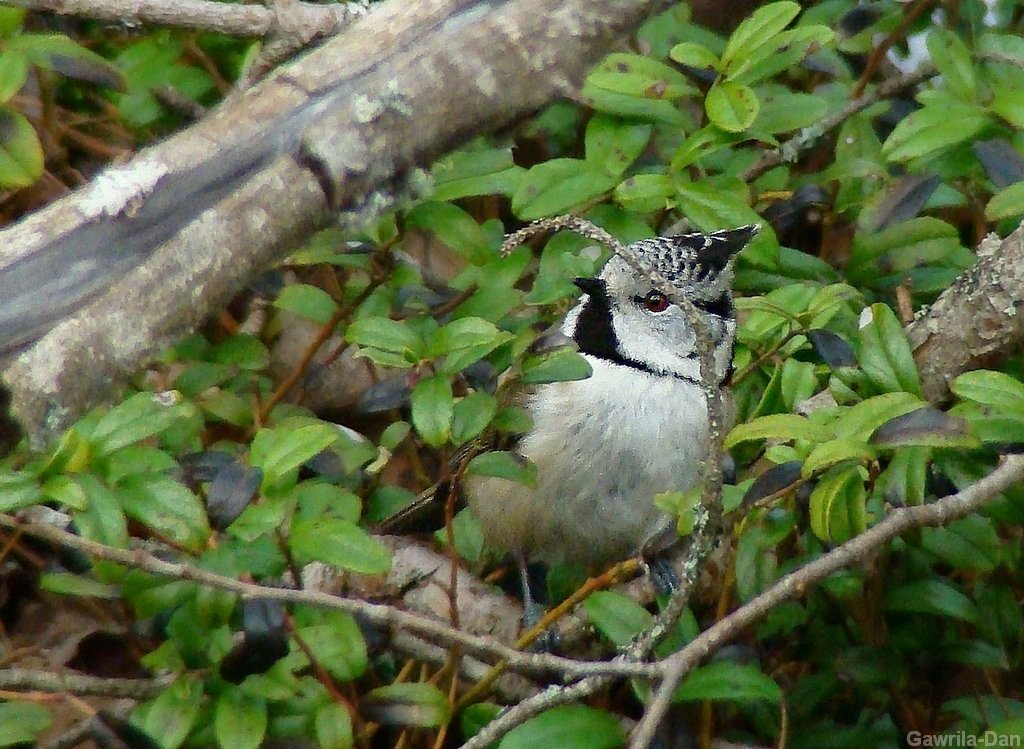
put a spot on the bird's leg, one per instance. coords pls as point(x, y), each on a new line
point(533, 610)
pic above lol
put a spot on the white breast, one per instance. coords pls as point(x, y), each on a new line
point(603, 448)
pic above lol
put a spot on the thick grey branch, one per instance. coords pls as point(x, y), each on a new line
point(154, 247)
point(304, 19)
point(977, 322)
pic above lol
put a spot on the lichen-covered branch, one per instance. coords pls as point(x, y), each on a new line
point(304, 19)
point(977, 322)
point(119, 270)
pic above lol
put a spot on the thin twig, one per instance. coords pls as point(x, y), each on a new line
point(875, 58)
point(792, 148)
point(23, 679)
point(379, 615)
point(1009, 472)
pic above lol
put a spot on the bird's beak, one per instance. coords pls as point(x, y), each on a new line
point(592, 286)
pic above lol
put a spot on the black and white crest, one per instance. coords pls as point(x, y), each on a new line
point(693, 261)
point(621, 319)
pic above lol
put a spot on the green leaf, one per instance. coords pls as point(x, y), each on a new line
point(65, 583)
point(471, 416)
point(901, 247)
point(780, 53)
point(140, 416)
point(465, 341)
point(834, 452)
point(926, 427)
point(103, 520)
point(223, 405)
point(783, 110)
point(310, 302)
point(993, 389)
point(559, 366)
point(21, 722)
point(631, 85)
point(336, 642)
point(386, 335)
point(755, 32)
point(162, 504)
point(617, 616)
point(971, 544)
point(13, 72)
point(933, 128)
point(903, 481)
point(714, 204)
point(476, 172)
point(559, 185)
point(62, 489)
point(1005, 48)
point(454, 228)
point(63, 55)
point(732, 106)
point(783, 427)
point(433, 406)
point(170, 717)
point(19, 490)
point(695, 56)
point(243, 351)
point(240, 721)
point(932, 597)
point(884, 353)
point(860, 420)
point(410, 704)
point(838, 511)
point(1007, 203)
point(504, 465)
point(756, 563)
point(730, 682)
point(332, 725)
point(567, 727)
point(476, 716)
point(278, 452)
point(613, 144)
point(339, 543)
point(20, 153)
point(954, 63)
point(645, 193)
point(469, 538)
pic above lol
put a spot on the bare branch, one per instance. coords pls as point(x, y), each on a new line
point(150, 249)
point(22, 679)
point(308, 20)
point(380, 615)
point(792, 148)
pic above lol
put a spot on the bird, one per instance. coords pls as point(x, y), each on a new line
point(605, 445)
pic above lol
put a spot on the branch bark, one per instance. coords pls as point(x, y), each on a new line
point(975, 323)
point(301, 18)
point(153, 247)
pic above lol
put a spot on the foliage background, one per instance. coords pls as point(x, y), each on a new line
point(227, 451)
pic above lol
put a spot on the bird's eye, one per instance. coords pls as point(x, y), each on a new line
point(655, 301)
